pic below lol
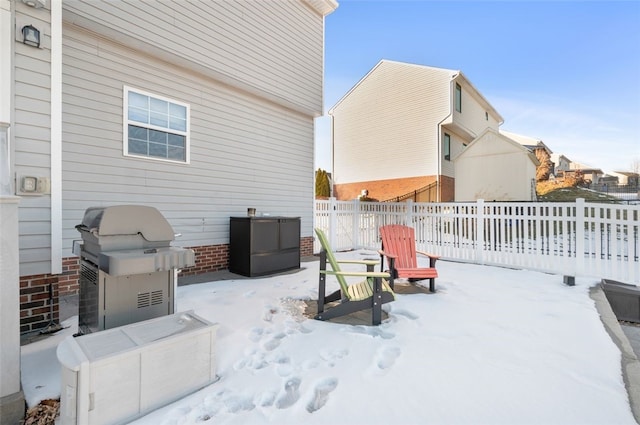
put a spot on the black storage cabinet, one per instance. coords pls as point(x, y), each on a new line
point(260, 246)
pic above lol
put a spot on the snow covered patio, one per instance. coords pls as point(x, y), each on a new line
point(492, 346)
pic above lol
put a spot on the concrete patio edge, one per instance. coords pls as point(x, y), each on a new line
point(629, 361)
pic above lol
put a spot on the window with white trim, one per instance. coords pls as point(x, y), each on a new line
point(447, 147)
point(458, 98)
point(155, 127)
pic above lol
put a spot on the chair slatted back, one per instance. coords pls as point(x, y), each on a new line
point(344, 287)
point(400, 241)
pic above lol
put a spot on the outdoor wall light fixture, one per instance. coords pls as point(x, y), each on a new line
point(31, 35)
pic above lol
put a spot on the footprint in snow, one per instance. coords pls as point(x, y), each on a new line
point(290, 395)
point(266, 398)
point(255, 334)
point(387, 357)
point(321, 394)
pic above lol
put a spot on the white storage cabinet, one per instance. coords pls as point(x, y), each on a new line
point(117, 375)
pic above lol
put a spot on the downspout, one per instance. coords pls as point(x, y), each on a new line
point(438, 180)
point(56, 136)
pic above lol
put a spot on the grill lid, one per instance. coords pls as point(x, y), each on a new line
point(127, 220)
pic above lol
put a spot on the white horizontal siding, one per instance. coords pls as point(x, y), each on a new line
point(387, 127)
point(473, 117)
point(245, 151)
point(31, 134)
point(274, 47)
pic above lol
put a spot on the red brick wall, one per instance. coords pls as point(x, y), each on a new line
point(209, 258)
point(68, 280)
point(35, 305)
point(447, 191)
point(306, 246)
point(383, 190)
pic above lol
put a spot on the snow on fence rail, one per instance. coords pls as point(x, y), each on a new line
point(570, 238)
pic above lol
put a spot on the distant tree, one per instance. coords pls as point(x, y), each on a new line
point(543, 171)
point(575, 179)
point(323, 187)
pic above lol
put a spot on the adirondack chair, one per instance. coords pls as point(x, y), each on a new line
point(370, 293)
point(399, 248)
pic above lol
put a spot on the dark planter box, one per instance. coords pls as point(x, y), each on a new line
point(624, 299)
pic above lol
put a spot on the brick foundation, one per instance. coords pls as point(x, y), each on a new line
point(35, 302)
point(34, 290)
point(209, 258)
point(306, 246)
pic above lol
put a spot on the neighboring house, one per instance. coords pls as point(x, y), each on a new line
point(591, 175)
point(494, 167)
point(560, 164)
point(627, 178)
point(399, 128)
point(200, 109)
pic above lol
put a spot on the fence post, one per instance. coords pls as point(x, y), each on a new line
point(409, 212)
point(480, 231)
point(355, 226)
point(580, 224)
point(332, 222)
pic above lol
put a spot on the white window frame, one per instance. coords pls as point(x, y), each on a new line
point(126, 122)
point(447, 146)
point(458, 98)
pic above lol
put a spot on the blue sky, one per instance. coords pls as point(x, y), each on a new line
point(567, 73)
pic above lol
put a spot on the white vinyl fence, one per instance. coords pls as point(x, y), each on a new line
point(569, 238)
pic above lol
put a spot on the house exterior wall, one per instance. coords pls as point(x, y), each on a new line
point(31, 134)
point(494, 169)
point(387, 126)
point(273, 47)
point(390, 127)
point(464, 126)
point(245, 152)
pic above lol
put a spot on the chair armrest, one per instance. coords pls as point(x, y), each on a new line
point(426, 254)
point(387, 254)
point(432, 258)
point(368, 263)
point(364, 262)
point(383, 275)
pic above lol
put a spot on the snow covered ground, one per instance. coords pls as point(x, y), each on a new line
point(491, 346)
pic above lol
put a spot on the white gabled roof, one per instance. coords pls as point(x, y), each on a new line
point(526, 141)
point(489, 132)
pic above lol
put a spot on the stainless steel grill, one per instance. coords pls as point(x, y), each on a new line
point(128, 268)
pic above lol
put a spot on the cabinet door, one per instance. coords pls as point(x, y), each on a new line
point(289, 233)
point(264, 237)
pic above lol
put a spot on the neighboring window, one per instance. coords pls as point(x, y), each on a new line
point(486, 116)
point(155, 127)
point(458, 98)
point(447, 147)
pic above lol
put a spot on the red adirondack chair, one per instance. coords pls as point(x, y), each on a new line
point(399, 248)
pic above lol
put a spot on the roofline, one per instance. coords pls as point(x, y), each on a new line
point(324, 7)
